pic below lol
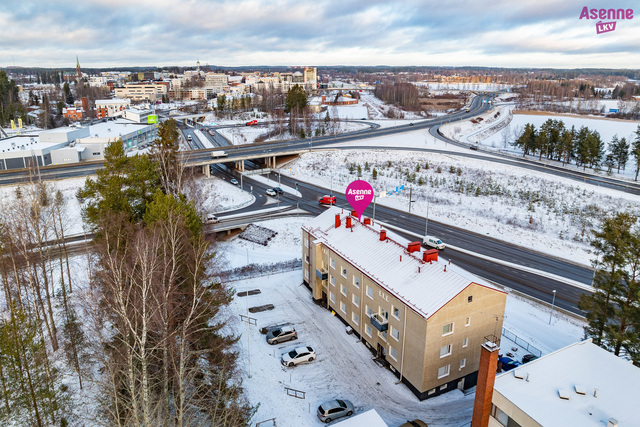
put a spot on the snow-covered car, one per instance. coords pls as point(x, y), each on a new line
point(234, 181)
point(270, 192)
point(333, 409)
point(297, 356)
point(284, 333)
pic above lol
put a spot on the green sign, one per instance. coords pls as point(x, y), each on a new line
point(152, 119)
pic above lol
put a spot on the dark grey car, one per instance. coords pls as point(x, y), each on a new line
point(282, 334)
point(333, 409)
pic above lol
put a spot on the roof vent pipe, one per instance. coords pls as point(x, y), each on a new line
point(445, 268)
point(383, 235)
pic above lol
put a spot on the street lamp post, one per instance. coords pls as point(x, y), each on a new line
point(553, 303)
point(426, 226)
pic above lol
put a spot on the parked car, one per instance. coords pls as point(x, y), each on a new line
point(508, 363)
point(327, 200)
point(298, 355)
point(278, 190)
point(528, 358)
point(270, 192)
point(234, 181)
point(333, 409)
point(414, 423)
point(284, 333)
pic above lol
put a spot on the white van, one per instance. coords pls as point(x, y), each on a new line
point(212, 219)
point(433, 242)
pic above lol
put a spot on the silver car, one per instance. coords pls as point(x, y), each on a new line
point(298, 355)
point(284, 333)
point(333, 409)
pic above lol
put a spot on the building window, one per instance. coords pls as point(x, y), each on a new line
point(447, 329)
point(306, 243)
point(332, 297)
point(367, 330)
point(344, 272)
point(332, 280)
point(370, 292)
point(383, 335)
point(356, 281)
point(470, 298)
point(463, 363)
point(395, 333)
point(343, 307)
point(502, 418)
point(465, 342)
point(383, 313)
point(306, 259)
point(467, 321)
point(343, 290)
point(369, 311)
point(333, 263)
point(445, 350)
point(306, 274)
point(393, 353)
point(356, 300)
point(396, 312)
point(443, 371)
point(355, 318)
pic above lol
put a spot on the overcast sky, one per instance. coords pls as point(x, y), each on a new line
point(513, 33)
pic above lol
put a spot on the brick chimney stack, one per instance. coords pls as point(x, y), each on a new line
point(484, 388)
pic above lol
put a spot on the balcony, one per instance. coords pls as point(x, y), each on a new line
point(322, 274)
point(379, 322)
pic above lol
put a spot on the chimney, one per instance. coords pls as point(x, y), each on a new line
point(337, 220)
point(383, 235)
point(367, 221)
point(413, 247)
point(354, 213)
point(348, 222)
point(484, 388)
point(430, 255)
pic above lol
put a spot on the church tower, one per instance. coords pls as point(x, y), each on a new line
point(78, 70)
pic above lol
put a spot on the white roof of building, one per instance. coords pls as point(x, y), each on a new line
point(114, 128)
point(369, 419)
point(580, 365)
point(24, 143)
point(424, 287)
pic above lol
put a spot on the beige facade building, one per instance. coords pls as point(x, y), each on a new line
point(423, 318)
point(141, 92)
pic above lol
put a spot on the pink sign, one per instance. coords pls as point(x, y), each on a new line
point(359, 194)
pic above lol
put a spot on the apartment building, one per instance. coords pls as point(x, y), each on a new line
point(149, 92)
point(578, 385)
point(111, 107)
point(422, 317)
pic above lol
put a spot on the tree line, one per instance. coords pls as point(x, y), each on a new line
point(585, 147)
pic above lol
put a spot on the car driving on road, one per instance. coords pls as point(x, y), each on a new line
point(234, 181)
point(327, 200)
point(278, 190)
point(270, 192)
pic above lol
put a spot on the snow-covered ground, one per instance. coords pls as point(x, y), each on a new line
point(485, 87)
point(344, 367)
point(535, 210)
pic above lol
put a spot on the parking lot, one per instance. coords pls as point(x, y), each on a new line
point(344, 368)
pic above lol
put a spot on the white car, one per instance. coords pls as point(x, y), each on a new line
point(298, 355)
point(234, 181)
point(271, 192)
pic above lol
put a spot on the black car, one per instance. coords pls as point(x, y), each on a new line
point(278, 190)
point(474, 147)
point(528, 358)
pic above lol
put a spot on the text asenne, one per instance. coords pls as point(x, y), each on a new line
point(352, 191)
point(606, 13)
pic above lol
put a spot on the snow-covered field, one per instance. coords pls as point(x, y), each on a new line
point(535, 210)
point(344, 367)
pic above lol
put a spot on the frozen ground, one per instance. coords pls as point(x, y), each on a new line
point(344, 368)
point(535, 210)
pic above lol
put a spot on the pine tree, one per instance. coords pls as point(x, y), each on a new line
point(612, 245)
point(527, 141)
point(635, 150)
point(374, 174)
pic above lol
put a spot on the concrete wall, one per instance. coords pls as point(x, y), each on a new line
point(65, 155)
point(512, 411)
